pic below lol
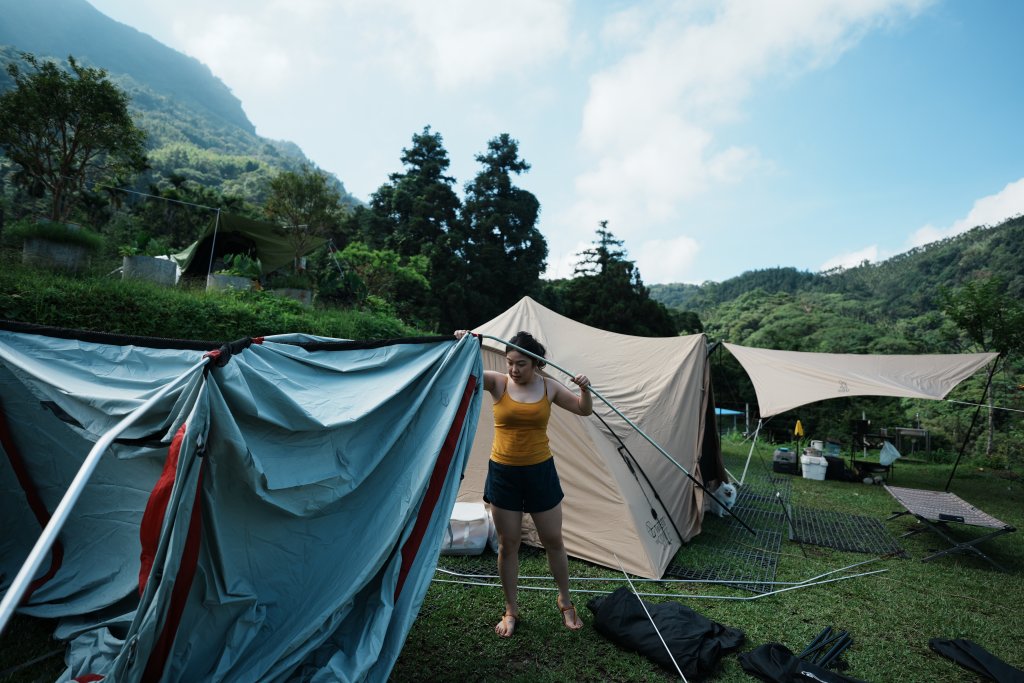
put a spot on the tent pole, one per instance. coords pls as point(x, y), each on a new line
point(741, 598)
point(63, 510)
point(213, 243)
point(974, 419)
point(753, 442)
point(628, 421)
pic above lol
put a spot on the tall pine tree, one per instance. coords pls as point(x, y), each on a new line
point(415, 214)
point(607, 292)
point(502, 252)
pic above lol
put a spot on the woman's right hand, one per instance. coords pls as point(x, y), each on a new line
point(459, 334)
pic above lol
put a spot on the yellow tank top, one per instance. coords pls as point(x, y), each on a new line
point(521, 430)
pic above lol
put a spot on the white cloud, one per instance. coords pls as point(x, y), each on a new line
point(990, 210)
point(665, 260)
point(851, 259)
point(450, 45)
point(649, 129)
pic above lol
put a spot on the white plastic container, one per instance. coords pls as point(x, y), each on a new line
point(469, 530)
point(813, 467)
point(818, 445)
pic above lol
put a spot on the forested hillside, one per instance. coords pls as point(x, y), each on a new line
point(882, 307)
point(197, 130)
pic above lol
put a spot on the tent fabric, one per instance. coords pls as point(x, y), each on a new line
point(787, 379)
point(305, 510)
point(641, 510)
point(974, 657)
point(697, 643)
point(775, 663)
point(231, 234)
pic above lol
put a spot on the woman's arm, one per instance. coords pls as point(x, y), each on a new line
point(564, 398)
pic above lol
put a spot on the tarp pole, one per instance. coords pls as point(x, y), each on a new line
point(753, 443)
point(974, 419)
point(628, 421)
point(213, 243)
point(63, 511)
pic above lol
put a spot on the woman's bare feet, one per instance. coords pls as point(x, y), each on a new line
point(507, 626)
point(571, 620)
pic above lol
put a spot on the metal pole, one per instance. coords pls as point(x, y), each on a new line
point(213, 243)
point(63, 511)
point(753, 442)
point(970, 429)
point(628, 421)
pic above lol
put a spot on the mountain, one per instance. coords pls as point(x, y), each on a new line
point(901, 286)
point(196, 126)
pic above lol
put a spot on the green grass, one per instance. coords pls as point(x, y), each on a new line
point(890, 616)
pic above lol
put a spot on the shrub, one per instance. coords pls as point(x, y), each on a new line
point(64, 233)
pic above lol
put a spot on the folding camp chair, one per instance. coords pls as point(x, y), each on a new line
point(936, 509)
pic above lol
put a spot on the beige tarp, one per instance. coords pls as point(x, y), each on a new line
point(787, 379)
point(658, 383)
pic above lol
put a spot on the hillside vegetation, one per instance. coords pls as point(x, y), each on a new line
point(196, 126)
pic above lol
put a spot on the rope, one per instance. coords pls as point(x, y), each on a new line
point(655, 626)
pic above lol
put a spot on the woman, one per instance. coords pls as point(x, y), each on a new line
point(521, 474)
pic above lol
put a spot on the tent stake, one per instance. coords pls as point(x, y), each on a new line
point(63, 510)
point(628, 421)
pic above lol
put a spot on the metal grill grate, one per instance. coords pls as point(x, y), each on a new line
point(726, 551)
point(841, 531)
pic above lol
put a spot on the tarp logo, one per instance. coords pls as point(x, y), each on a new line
point(843, 387)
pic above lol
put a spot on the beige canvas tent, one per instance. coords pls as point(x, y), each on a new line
point(622, 499)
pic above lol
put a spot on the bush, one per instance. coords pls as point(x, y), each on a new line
point(146, 309)
point(64, 233)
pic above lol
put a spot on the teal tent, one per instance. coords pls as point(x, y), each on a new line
point(231, 234)
point(267, 510)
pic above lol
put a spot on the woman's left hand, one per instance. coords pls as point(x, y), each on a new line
point(582, 382)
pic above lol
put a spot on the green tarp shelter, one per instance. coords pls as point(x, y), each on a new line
point(231, 234)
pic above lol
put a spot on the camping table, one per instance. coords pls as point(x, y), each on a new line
point(935, 509)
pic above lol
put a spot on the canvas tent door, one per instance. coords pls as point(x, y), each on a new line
point(622, 499)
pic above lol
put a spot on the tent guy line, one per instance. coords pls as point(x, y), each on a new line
point(743, 598)
point(649, 617)
point(632, 424)
point(603, 579)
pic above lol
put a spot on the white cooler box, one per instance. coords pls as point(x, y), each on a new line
point(470, 530)
point(814, 467)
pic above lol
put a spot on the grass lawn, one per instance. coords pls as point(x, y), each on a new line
point(891, 615)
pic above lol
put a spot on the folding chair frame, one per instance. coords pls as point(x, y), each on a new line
point(943, 508)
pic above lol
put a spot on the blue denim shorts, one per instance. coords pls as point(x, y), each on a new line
point(529, 488)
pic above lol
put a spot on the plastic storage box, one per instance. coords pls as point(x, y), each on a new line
point(784, 461)
point(814, 467)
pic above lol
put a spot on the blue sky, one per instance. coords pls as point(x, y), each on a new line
point(715, 136)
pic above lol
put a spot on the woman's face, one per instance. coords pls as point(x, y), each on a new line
point(520, 367)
